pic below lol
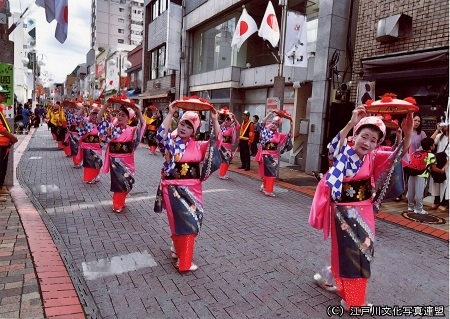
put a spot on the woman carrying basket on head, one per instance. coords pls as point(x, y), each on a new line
point(181, 184)
point(230, 129)
point(122, 140)
point(271, 141)
point(90, 149)
point(344, 205)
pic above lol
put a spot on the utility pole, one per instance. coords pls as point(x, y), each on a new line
point(278, 81)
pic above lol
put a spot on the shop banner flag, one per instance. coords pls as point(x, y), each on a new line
point(295, 44)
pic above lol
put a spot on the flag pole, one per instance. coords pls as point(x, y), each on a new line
point(22, 16)
point(278, 81)
point(283, 4)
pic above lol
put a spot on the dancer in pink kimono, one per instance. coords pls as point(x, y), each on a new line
point(345, 197)
point(229, 128)
point(74, 114)
point(270, 142)
point(122, 141)
point(181, 186)
point(90, 150)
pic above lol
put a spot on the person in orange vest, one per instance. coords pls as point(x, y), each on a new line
point(246, 135)
point(6, 140)
point(153, 120)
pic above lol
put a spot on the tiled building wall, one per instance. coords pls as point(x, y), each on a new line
point(430, 28)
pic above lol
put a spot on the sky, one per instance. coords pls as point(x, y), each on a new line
point(62, 59)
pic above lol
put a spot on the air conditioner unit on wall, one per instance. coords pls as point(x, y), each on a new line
point(393, 28)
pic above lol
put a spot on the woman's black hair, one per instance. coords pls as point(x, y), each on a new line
point(124, 110)
point(188, 123)
point(419, 128)
point(371, 127)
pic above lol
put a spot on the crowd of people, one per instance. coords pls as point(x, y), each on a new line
point(420, 186)
point(342, 206)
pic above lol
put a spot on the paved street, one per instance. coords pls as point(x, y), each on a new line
point(256, 254)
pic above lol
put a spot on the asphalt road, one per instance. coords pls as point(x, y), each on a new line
point(256, 254)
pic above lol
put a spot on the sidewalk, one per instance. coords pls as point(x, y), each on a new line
point(390, 211)
point(34, 280)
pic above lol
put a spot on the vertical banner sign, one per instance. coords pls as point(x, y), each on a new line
point(6, 81)
point(295, 42)
point(30, 36)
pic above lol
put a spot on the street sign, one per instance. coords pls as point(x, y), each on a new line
point(7, 81)
point(273, 103)
point(3, 19)
point(2, 3)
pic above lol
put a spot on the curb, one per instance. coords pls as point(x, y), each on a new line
point(59, 296)
point(383, 215)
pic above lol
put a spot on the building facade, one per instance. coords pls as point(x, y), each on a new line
point(134, 73)
point(409, 58)
point(206, 65)
point(116, 21)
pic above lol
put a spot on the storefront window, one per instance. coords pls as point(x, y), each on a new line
point(212, 47)
point(158, 57)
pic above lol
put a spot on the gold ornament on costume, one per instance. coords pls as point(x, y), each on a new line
point(361, 192)
point(184, 169)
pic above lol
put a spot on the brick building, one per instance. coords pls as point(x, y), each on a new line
point(402, 47)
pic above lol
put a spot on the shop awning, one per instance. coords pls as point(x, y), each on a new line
point(134, 94)
point(406, 64)
point(153, 95)
point(405, 58)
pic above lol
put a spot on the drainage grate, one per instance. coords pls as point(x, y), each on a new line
point(42, 149)
point(306, 181)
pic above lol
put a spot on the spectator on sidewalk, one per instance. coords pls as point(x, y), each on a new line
point(174, 123)
point(440, 191)
point(417, 136)
point(246, 136)
point(346, 194)
point(7, 139)
point(203, 128)
point(416, 184)
point(257, 130)
point(26, 116)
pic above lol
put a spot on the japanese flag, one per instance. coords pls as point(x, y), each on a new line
point(268, 30)
point(245, 27)
point(62, 17)
point(49, 6)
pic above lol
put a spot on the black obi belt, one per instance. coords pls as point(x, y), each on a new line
point(185, 170)
point(356, 191)
point(226, 139)
point(269, 146)
point(121, 148)
point(73, 128)
point(91, 139)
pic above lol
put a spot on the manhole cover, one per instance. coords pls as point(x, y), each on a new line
point(423, 218)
